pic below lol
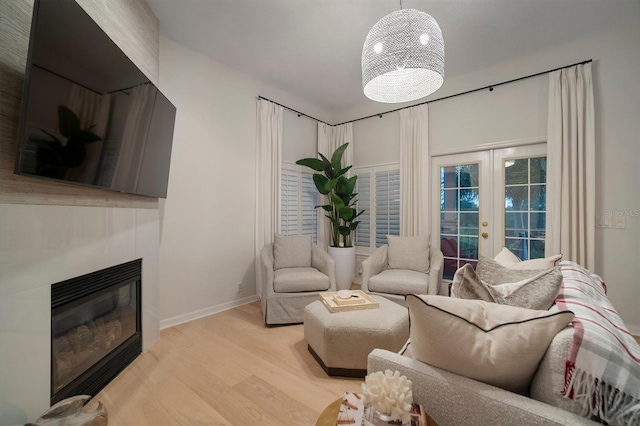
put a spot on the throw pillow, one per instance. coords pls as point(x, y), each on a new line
point(409, 253)
point(510, 260)
point(525, 288)
point(495, 344)
point(467, 285)
point(291, 252)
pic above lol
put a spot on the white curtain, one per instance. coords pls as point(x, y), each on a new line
point(414, 171)
point(93, 110)
point(571, 166)
point(269, 118)
point(329, 139)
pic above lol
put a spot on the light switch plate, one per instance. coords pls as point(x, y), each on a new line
point(603, 221)
point(619, 222)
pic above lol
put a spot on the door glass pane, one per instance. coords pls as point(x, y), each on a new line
point(525, 204)
point(459, 218)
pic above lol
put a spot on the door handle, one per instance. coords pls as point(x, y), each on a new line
point(485, 235)
point(485, 223)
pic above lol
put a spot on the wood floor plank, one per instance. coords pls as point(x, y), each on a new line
point(228, 369)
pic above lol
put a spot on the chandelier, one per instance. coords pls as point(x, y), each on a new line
point(403, 57)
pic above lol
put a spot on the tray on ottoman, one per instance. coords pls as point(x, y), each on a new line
point(361, 301)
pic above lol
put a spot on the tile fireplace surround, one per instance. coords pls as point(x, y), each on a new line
point(43, 245)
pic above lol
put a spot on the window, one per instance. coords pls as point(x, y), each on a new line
point(378, 191)
point(298, 215)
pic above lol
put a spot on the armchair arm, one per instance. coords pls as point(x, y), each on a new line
point(324, 263)
point(373, 265)
point(435, 274)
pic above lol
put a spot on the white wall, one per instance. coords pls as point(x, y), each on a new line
point(207, 241)
point(519, 111)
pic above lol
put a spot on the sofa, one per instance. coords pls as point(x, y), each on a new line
point(452, 399)
point(441, 358)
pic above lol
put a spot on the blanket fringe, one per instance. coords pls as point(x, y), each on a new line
point(601, 400)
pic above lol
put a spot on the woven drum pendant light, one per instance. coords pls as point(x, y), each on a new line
point(403, 57)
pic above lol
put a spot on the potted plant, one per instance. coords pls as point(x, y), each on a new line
point(340, 211)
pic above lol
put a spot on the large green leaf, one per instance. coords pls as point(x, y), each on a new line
point(337, 201)
point(326, 207)
point(336, 158)
point(341, 172)
point(328, 170)
point(321, 183)
point(346, 213)
point(68, 122)
point(351, 184)
point(354, 225)
point(345, 230)
point(313, 163)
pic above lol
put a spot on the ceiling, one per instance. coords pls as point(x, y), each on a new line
point(312, 48)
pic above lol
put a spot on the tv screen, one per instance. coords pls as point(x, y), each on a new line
point(89, 115)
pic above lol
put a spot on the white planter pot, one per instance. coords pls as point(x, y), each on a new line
point(345, 258)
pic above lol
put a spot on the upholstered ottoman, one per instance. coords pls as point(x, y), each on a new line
point(341, 341)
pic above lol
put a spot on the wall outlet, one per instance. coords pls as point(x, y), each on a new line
point(239, 285)
point(619, 222)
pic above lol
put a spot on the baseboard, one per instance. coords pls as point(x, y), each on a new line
point(200, 313)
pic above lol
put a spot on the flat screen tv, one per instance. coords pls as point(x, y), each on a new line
point(89, 115)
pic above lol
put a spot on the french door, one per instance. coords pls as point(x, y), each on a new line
point(487, 200)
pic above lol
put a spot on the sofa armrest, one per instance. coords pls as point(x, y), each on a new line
point(373, 265)
point(435, 274)
point(324, 263)
point(451, 399)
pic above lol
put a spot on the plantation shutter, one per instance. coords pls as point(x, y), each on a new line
point(363, 189)
point(387, 205)
point(289, 203)
point(308, 201)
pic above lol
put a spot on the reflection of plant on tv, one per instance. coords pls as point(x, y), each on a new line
point(53, 156)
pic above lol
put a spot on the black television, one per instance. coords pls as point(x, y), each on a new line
point(89, 115)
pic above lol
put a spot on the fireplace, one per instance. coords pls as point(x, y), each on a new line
point(96, 329)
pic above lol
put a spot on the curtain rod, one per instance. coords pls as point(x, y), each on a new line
point(296, 111)
point(490, 87)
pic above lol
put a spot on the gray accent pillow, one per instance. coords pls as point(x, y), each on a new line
point(467, 285)
point(532, 289)
point(409, 253)
point(291, 252)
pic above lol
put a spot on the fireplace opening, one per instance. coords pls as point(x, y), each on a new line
point(96, 329)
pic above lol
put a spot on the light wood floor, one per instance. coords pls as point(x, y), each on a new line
point(225, 369)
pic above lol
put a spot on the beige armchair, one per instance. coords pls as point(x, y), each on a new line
point(288, 287)
point(383, 278)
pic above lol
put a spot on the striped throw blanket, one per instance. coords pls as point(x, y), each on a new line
point(603, 365)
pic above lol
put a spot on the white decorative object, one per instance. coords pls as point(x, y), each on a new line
point(389, 394)
point(403, 57)
point(345, 294)
point(345, 258)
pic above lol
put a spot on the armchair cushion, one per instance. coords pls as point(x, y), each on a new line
point(409, 253)
point(295, 280)
point(454, 334)
point(399, 281)
point(291, 252)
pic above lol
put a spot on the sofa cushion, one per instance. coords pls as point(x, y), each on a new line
point(531, 288)
point(291, 252)
point(511, 261)
point(296, 280)
point(495, 344)
point(410, 253)
point(399, 281)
